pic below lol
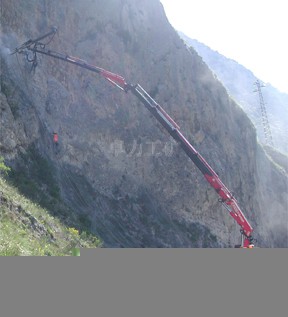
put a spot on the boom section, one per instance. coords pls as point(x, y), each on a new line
point(115, 79)
point(36, 46)
point(226, 197)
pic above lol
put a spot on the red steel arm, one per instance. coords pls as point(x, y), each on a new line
point(225, 196)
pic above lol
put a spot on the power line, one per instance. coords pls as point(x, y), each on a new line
point(265, 122)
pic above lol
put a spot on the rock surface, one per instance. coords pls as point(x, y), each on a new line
point(115, 163)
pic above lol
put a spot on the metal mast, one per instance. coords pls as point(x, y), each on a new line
point(265, 122)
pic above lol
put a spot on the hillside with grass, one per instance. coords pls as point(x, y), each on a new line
point(28, 229)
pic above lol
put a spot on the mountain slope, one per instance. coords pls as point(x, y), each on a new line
point(28, 229)
point(115, 165)
point(240, 83)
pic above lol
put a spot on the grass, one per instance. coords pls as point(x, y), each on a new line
point(28, 229)
point(3, 168)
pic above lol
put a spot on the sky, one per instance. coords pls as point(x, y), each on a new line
point(254, 33)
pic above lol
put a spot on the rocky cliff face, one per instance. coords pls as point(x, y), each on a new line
point(115, 164)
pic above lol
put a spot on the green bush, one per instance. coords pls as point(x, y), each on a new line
point(3, 168)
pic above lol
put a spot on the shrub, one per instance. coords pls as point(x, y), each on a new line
point(3, 168)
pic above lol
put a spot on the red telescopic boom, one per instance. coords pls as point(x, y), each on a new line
point(225, 196)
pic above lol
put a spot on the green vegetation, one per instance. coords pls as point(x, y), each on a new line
point(28, 229)
point(76, 252)
point(33, 220)
point(3, 168)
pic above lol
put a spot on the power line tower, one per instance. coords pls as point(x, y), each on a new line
point(265, 122)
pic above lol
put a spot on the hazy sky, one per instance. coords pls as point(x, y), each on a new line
point(252, 32)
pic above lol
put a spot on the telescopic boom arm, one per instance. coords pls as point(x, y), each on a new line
point(226, 198)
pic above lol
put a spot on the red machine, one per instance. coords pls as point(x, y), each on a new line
point(226, 198)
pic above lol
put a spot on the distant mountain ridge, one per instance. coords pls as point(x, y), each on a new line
point(239, 82)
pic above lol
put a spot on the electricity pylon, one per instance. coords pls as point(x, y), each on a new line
point(265, 122)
